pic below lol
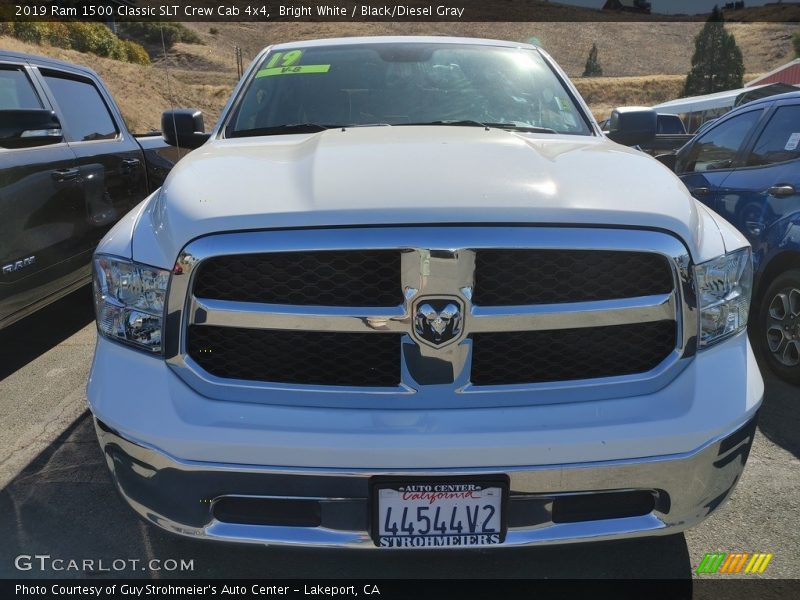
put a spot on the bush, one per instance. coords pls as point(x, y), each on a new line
point(59, 35)
point(188, 36)
point(33, 32)
point(92, 37)
point(593, 68)
point(213, 31)
point(82, 36)
point(106, 43)
point(135, 53)
point(151, 33)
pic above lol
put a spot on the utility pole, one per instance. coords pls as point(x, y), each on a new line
point(239, 65)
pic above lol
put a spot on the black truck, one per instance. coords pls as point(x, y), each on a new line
point(670, 135)
point(69, 170)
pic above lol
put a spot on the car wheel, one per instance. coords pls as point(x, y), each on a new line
point(779, 326)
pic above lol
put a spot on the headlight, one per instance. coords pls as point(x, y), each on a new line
point(129, 301)
point(724, 286)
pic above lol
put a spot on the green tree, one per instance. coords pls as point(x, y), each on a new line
point(796, 44)
point(593, 68)
point(717, 64)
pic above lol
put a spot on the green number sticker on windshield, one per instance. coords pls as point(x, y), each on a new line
point(286, 60)
point(286, 64)
point(293, 70)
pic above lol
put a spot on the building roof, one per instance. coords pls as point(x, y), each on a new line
point(631, 5)
point(680, 106)
point(788, 73)
point(758, 92)
point(727, 99)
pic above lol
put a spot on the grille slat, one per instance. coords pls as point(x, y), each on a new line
point(330, 278)
point(298, 357)
point(524, 357)
point(520, 277)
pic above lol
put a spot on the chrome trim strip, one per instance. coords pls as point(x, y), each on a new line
point(575, 315)
point(482, 319)
point(286, 316)
point(436, 261)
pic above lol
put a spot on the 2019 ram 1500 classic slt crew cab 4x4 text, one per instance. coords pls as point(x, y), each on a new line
point(408, 295)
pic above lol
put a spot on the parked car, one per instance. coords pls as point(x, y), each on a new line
point(746, 167)
point(407, 294)
point(69, 170)
point(670, 134)
point(667, 124)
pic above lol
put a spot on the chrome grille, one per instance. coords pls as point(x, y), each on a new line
point(513, 347)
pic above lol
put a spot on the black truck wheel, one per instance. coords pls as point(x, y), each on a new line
point(778, 327)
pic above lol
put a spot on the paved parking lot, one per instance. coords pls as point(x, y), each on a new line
point(56, 497)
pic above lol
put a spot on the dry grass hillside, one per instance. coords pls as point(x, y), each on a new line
point(625, 49)
point(643, 62)
point(604, 93)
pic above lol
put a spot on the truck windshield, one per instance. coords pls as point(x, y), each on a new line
point(310, 89)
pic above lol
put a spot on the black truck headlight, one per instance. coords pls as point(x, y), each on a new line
point(129, 301)
point(724, 287)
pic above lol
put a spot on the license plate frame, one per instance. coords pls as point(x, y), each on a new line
point(483, 481)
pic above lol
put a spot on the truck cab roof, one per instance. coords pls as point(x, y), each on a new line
point(45, 61)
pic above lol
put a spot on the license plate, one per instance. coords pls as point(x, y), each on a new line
point(439, 513)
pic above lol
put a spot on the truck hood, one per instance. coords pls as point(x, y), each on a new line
point(406, 175)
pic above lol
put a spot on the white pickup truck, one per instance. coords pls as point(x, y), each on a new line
point(407, 294)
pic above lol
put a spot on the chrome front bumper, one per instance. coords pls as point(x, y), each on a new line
point(181, 496)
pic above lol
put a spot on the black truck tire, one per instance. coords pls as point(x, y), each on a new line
point(778, 326)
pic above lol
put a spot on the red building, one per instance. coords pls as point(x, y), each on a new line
point(788, 74)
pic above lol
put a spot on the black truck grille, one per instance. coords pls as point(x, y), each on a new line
point(299, 357)
point(519, 277)
point(570, 354)
point(329, 278)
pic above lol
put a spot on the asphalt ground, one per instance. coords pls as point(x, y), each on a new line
point(56, 497)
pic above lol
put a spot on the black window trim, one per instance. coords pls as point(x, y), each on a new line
point(41, 93)
point(43, 71)
point(7, 65)
point(759, 129)
point(741, 154)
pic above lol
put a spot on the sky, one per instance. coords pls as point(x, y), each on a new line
point(689, 7)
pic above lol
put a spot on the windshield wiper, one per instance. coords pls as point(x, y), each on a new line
point(281, 129)
point(487, 126)
point(455, 123)
point(524, 128)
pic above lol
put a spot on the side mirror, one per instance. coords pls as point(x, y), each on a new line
point(28, 128)
point(184, 128)
point(668, 160)
point(632, 125)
